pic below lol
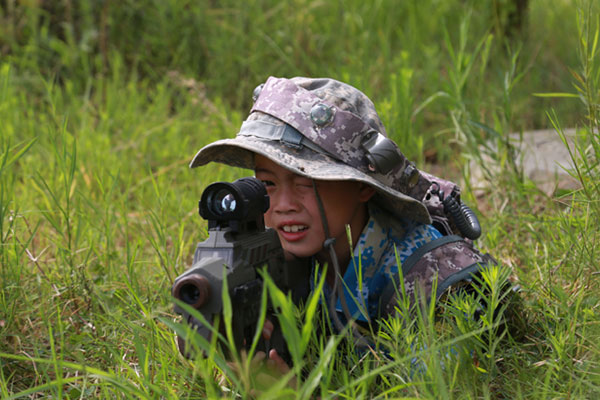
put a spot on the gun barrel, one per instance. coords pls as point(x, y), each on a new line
point(193, 289)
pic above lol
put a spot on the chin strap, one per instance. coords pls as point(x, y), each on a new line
point(337, 290)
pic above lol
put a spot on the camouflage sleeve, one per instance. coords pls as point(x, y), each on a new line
point(447, 259)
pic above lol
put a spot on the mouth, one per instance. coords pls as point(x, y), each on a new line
point(294, 228)
point(292, 231)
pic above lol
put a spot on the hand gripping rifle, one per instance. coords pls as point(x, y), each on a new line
point(238, 245)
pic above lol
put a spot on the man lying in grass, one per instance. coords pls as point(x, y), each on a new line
point(343, 195)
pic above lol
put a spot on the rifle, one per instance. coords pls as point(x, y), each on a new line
point(238, 245)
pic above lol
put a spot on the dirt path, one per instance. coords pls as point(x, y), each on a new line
point(544, 159)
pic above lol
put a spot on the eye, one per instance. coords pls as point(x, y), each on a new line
point(304, 183)
point(268, 183)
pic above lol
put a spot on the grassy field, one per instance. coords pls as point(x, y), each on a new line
point(103, 104)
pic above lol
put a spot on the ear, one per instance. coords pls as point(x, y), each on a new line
point(365, 192)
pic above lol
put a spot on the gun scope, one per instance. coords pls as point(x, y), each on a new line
point(242, 200)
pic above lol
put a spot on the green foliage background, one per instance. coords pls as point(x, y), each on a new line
point(103, 104)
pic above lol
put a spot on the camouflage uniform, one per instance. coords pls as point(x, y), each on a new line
point(327, 130)
point(374, 264)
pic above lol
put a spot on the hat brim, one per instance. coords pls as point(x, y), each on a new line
point(240, 151)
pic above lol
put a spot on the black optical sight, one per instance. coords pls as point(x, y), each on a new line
point(239, 205)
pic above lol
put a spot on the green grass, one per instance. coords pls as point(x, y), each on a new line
point(101, 109)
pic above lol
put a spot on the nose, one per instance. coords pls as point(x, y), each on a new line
point(285, 200)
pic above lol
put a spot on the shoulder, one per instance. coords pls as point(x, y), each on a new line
point(404, 236)
point(416, 236)
point(397, 238)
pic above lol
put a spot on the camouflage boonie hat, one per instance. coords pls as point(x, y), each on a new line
point(325, 130)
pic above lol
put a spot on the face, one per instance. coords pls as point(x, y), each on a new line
point(294, 211)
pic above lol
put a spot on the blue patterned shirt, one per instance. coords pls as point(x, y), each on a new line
point(374, 265)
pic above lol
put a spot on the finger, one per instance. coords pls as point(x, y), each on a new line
point(267, 330)
point(259, 356)
point(279, 362)
point(258, 359)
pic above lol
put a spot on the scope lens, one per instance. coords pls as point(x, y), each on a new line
point(224, 202)
point(244, 200)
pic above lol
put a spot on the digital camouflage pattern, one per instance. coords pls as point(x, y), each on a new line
point(449, 260)
point(435, 206)
point(339, 155)
point(316, 128)
point(340, 133)
point(383, 242)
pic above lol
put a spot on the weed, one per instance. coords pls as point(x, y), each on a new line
point(103, 104)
